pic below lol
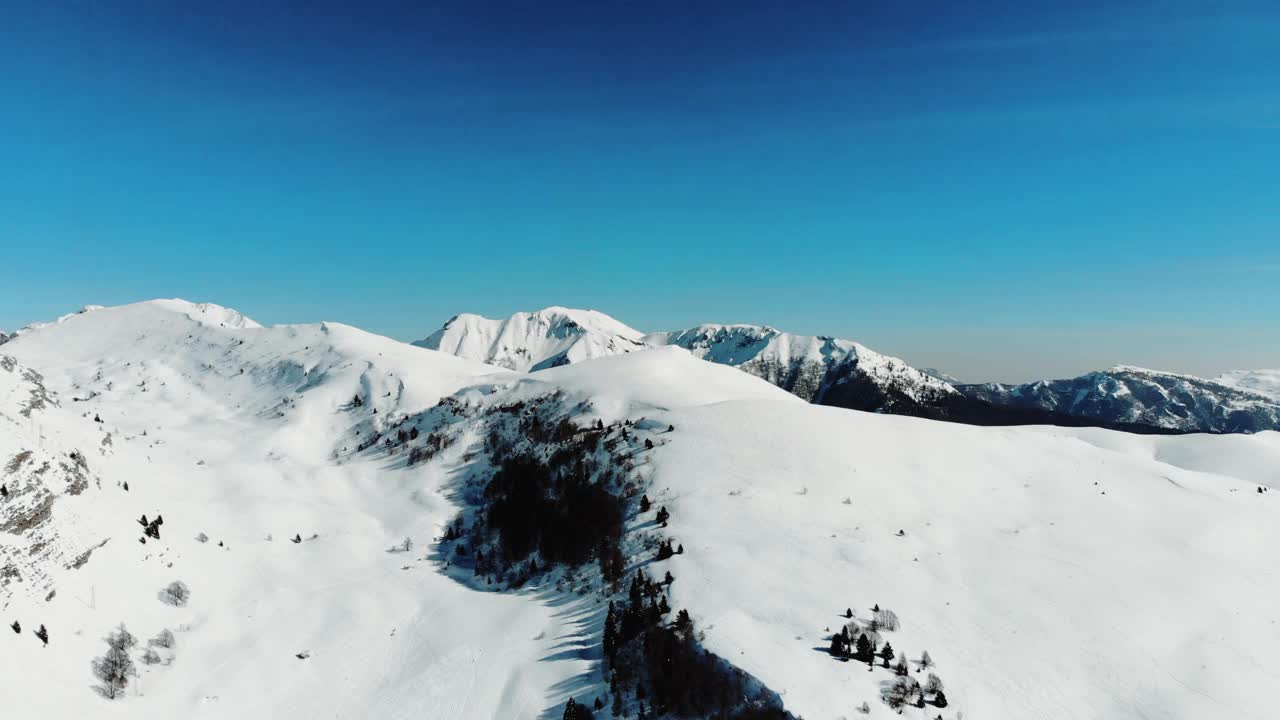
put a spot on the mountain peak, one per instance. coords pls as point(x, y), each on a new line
point(535, 340)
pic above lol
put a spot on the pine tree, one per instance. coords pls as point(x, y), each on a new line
point(940, 699)
point(848, 612)
point(667, 579)
point(838, 648)
point(648, 444)
point(865, 648)
point(599, 704)
point(44, 635)
point(662, 515)
point(610, 641)
point(886, 653)
point(17, 627)
point(616, 709)
point(4, 491)
point(644, 503)
point(683, 622)
point(680, 550)
point(571, 710)
point(901, 667)
point(926, 662)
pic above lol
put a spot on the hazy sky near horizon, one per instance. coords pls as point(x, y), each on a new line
point(1001, 190)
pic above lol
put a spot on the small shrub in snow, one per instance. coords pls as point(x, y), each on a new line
point(202, 538)
point(164, 639)
point(150, 656)
point(900, 692)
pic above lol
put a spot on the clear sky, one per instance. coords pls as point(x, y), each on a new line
point(1005, 190)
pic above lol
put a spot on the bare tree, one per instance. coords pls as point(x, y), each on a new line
point(176, 594)
point(115, 667)
point(933, 684)
point(887, 620)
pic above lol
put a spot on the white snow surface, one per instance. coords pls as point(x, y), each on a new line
point(1051, 573)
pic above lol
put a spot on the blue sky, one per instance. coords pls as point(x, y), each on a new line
point(1003, 190)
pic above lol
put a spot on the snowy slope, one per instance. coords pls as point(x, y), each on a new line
point(48, 456)
point(1264, 382)
point(249, 437)
point(1044, 569)
point(1149, 397)
point(533, 341)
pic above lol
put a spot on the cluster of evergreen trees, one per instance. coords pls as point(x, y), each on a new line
point(659, 668)
point(562, 515)
point(860, 643)
point(151, 529)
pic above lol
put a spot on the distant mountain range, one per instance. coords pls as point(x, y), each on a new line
point(1143, 397)
point(831, 371)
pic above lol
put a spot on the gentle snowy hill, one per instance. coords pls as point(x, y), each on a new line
point(1126, 394)
point(1044, 569)
point(1264, 382)
point(534, 341)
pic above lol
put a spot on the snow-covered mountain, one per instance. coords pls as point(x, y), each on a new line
point(1263, 382)
point(1044, 570)
point(822, 370)
point(547, 338)
point(1127, 394)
